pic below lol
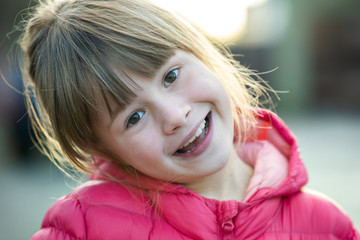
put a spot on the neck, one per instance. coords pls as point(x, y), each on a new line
point(229, 183)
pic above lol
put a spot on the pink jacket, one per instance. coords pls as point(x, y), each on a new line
point(275, 207)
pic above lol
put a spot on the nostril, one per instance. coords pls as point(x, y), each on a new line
point(174, 117)
point(188, 113)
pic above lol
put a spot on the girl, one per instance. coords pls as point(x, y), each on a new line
point(166, 126)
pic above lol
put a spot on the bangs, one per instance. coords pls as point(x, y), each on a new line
point(79, 64)
point(105, 79)
point(94, 44)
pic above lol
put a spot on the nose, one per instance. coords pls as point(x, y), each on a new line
point(173, 116)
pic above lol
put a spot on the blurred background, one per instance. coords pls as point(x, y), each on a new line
point(313, 46)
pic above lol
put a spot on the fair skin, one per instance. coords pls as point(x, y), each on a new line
point(183, 104)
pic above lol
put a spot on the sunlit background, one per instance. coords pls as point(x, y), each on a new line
point(314, 48)
point(229, 20)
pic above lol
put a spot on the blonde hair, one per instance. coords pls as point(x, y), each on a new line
point(70, 48)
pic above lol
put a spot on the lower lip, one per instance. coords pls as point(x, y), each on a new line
point(203, 145)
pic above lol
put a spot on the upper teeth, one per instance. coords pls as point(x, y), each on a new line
point(198, 132)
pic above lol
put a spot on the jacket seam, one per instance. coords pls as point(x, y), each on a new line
point(79, 203)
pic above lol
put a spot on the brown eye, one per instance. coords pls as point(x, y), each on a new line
point(134, 118)
point(170, 77)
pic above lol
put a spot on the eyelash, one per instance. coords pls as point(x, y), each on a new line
point(129, 123)
point(167, 84)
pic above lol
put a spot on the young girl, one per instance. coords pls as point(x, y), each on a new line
point(167, 126)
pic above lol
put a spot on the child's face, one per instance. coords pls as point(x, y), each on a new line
point(170, 108)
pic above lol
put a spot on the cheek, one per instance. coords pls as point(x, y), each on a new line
point(141, 150)
point(219, 95)
point(205, 85)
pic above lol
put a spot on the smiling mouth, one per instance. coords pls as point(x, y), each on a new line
point(197, 139)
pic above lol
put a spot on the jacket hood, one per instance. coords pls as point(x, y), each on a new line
point(275, 176)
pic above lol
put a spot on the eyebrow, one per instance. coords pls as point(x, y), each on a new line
point(126, 89)
point(119, 108)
